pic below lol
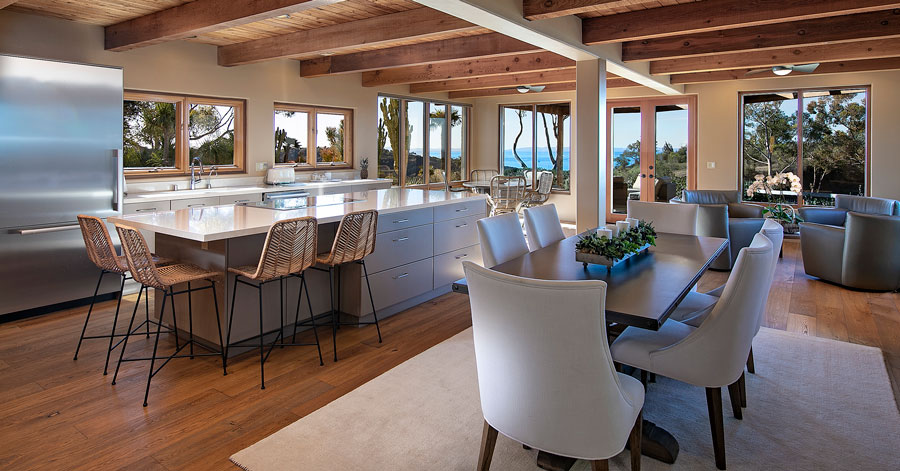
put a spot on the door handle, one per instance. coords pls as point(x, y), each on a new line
point(403, 275)
point(651, 175)
point(144, 209)
point(119, 155)
point(44, 230)
point(462, 210)
point(400, 221)
point(196, 205)
point(461, 256)
point(643, 175)
point(462, 225)
point(401, 239)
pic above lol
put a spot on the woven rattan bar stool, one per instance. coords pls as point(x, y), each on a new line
point(355, 239)
point(103, 254)
point(290, 249)
point(164, 278)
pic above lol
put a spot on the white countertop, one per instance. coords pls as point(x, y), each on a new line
point(153, 196)
point(228, 221)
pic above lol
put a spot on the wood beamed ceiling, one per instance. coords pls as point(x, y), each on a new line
point(402, 42)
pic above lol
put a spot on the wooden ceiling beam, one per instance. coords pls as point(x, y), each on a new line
point(872, 49)
point(865, 65)
point(543, 9)
point(198, 17)
point(617, 82)
point(861, 26)
point(384, 29)
point(6, 3)
point(486, 67)
point(496, 81)
point(712, 15)
point(482, 45)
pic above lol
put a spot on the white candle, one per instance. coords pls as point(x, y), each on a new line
point(622, 226)
point(633, 222)
point(604, 232)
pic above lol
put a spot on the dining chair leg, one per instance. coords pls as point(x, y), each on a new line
point(333, 313)
point(600, 465)
point(634, 442)
point(88, 318)
point(734, 394)
point(230, 321)
point(262, 356)
point(371, 299)
point(312, 318)
point(644, 379)
point(128, 332)
point(743, 385)
point(190, 319)
point(156, 343)
point(716, 424)
point(488, 441)
point(112, 332)
point(751, 368)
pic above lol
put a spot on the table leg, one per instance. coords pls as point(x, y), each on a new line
point(656, 443)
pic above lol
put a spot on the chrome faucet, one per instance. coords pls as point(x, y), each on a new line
point(199, 178)
point(213, 172)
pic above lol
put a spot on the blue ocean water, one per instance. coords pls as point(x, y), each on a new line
point(543, 157)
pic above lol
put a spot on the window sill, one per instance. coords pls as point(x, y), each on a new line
point(176, 173)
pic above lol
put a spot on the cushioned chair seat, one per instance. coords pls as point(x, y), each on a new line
point(635, 346)
point(694, 308)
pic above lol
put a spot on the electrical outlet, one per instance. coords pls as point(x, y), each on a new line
point(710, 165)
point(260, 166)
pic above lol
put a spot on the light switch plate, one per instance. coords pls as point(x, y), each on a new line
point(710, 164)
point(260, 166)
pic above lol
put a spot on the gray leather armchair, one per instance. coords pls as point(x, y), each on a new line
point(845, 203)
point(863, 254)
point(721, 214)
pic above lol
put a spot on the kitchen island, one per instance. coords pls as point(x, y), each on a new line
point(422, 239)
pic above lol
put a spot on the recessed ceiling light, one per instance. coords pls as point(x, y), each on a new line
point(285, 17)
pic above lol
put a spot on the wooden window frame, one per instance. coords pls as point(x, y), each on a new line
point(182, 139)
point(312, 111)
point(534, 138)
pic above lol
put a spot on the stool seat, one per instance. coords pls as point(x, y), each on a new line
point(177, 273)
point(244, 270)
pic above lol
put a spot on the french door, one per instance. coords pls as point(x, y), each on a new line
point(651, 150)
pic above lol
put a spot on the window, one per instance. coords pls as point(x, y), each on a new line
point(535, 137)
point(432, 150)
point(158, 143)
point(299, 128)
point(804, 146)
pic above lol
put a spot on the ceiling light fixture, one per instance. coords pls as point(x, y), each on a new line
point(781, 70)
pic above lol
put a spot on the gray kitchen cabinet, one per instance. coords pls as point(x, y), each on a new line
point(195, 202)
point(235, 199)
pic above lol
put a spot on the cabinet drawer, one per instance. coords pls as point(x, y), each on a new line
point(404, 219)
point(458, 210)
point(194, 202)
point(448, 267)
point(133, 208)
point(396, 248)
point(395, 285)
point(240, 199)
point(455, 234)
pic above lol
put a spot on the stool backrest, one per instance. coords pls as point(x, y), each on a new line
point(99, 244)
point(290, 247)
point(507, 193)
point(482, 175)
point(140, 260)
point(355, 238)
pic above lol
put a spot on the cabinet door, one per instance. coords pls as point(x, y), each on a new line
point(455, 234)
point(397, 284)
point(448, 267)
point(150, 207)
point(396, 248)
point(194, 202)
point(235, 199)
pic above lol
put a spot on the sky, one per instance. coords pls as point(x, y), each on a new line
point(297, 125)
point(671, 127)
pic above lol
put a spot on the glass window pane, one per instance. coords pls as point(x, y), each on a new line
point(415, 143)
point(389, 139)
point(150, 131)
point(211, 129)
point(437, 142)
point(291, 136)
point(671, 151)
point(553, 130)
point(458, 145)
point(626, 151)
point(769, 170)
point(517, 126)
point(329, 137)
point(834, 145)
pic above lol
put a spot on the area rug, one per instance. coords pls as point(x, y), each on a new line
point(814, 404)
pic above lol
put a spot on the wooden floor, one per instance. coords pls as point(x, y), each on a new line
point(56, 413)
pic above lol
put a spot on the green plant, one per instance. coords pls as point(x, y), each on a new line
point(364, 164)
point(617, 247)
point(782, 213)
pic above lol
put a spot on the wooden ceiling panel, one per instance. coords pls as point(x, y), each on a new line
point(483, 67)
point(95, 12)
point(542, 9)
point(865, 65)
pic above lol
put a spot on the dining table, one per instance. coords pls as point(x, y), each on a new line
point(642, 292)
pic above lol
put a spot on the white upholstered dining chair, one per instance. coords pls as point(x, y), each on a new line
point(542, 226)
point(549, 383)
point(501, 239)
point(666, 217)
point(712, 355)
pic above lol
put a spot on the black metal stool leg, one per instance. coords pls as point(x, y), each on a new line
point(128, 332)
point(333, 313)
point(371, 299)
point(212, 284)
point(156, 344)
point(230, 320)
point(112, 333)
point(190, 319)
point(174, 319)
point(281, 304)
point(312, 318)
point(262, 357)
point(147, 312)
point(88, 318)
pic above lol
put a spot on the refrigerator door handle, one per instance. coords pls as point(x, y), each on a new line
point(44, 230)
point(119, 155)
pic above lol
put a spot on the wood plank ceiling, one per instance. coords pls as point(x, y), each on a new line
point(401, 42)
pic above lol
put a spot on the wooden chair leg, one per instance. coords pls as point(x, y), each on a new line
point(600, 465)
point(488, 441)
point(734, 393)
point(743, 384)
point(634, 442)
point(751, 368)
point(716, 425)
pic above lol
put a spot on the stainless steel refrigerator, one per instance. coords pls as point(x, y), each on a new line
point(60, 156)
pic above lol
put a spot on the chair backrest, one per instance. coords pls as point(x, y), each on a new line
point(666, 217)
point(545, 183)
point(545, 373)
point(355, 237)
point(718, 349)
point(867, 204)
point(871, 258)
point(501, 239)
point(507, 192)
point(140, 260)
point(775, 233)
point(542, 226)
point(290, 247)
point(710, 196)
point(483, 175)
point(99, 244)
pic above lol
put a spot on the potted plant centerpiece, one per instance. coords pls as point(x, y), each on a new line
point(785, 215)
point(599, 249)
point(364, 169)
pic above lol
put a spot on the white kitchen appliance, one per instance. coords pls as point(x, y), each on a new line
point(280, 175)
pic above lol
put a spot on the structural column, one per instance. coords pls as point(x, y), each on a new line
point(590, 144)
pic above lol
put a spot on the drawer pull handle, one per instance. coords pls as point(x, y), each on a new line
point(462, 210)
point(461, 256)
point(462, 225)
point(400, 221)
point(197, 205)
point(144, 209)
point(241, 201)
point(403, 275)
point(401, 239)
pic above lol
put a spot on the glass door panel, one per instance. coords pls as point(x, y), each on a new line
point(671, 160)
point(517, 139)
point(769, 172)
point(437, 143)
point(458, 146)
point(415, 143)
point(625, 145)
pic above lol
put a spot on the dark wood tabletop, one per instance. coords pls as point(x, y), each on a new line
point(643, 291)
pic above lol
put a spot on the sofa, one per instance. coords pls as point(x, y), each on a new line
point(721, 214)
point(855, 244)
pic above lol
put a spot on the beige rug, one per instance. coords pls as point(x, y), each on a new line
point(814, 404)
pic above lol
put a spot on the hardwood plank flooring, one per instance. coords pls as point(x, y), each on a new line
point(56, 413)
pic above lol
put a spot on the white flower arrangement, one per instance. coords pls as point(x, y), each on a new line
point(782, 180)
